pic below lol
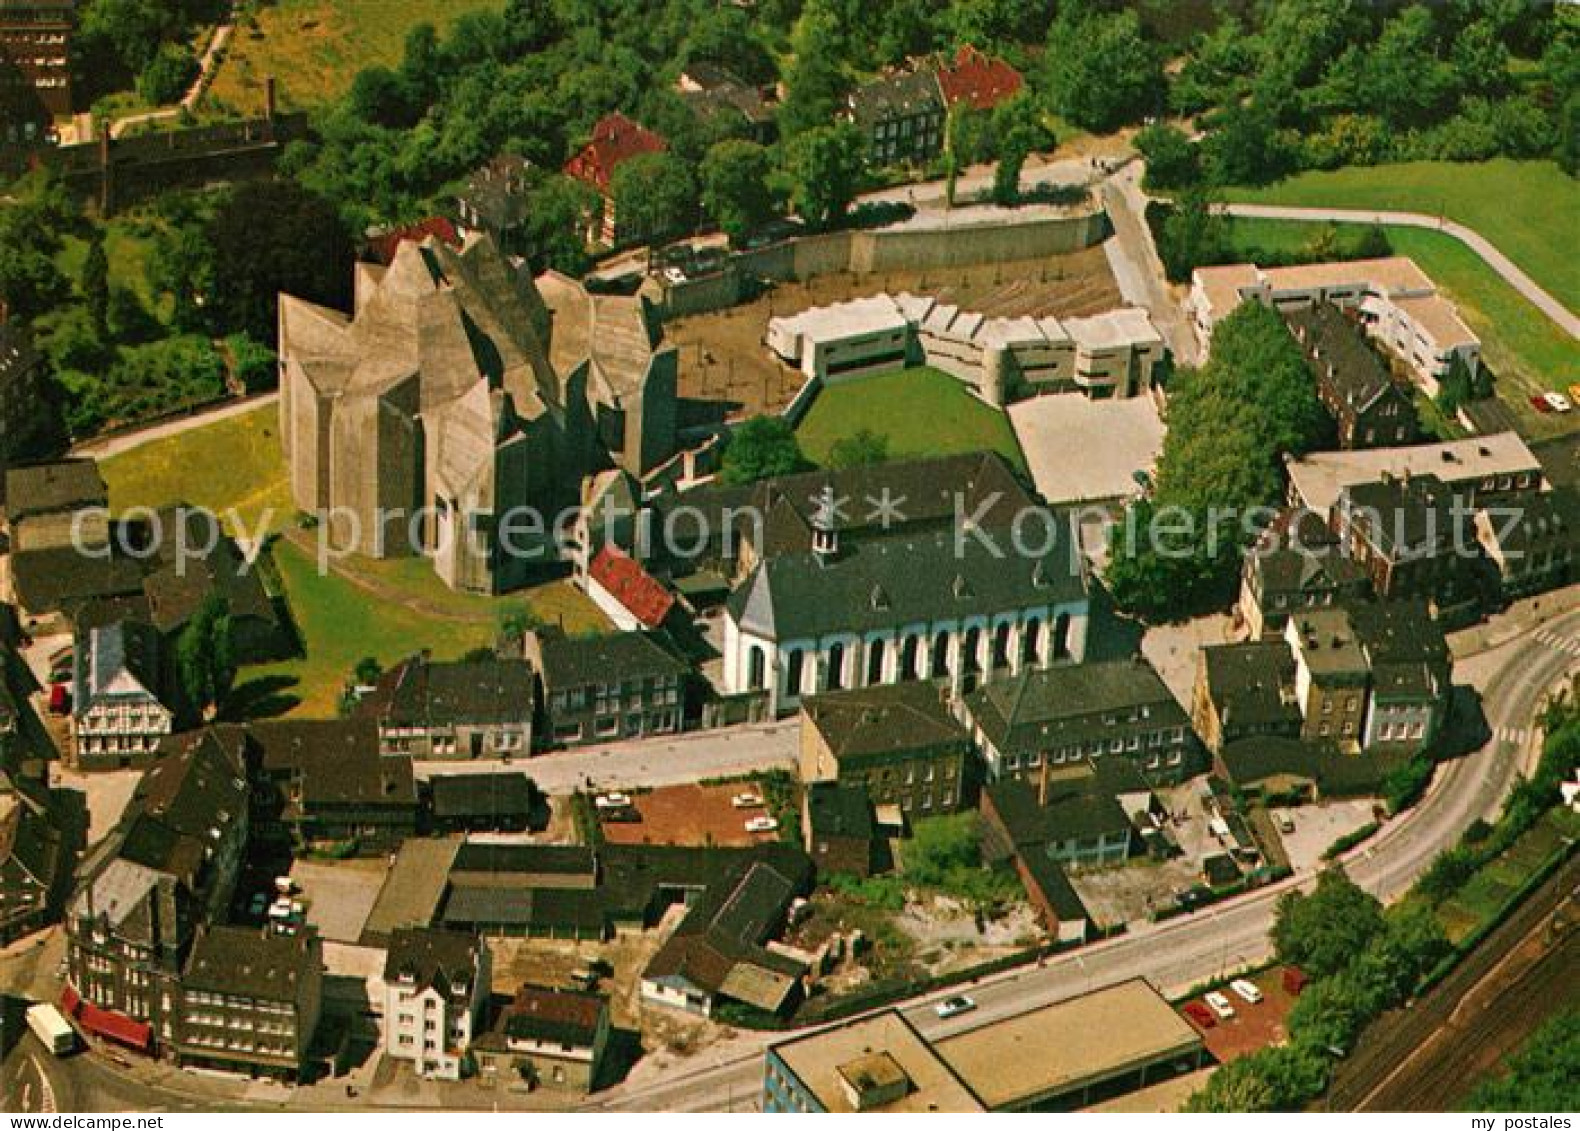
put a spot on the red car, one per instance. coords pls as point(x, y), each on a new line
point(1200, 1014)
point(1541, 404)
point(60, 699)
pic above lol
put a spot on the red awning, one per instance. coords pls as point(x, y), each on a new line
point(70, 1001)
point(117, 1027)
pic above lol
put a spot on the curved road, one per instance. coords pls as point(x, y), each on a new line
point(1502, 264)
point(1186, 951)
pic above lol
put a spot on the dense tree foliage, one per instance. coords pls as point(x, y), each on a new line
point(1543, 1076)
point(761, 448)
point(735, 187)
point(1229, 425)
point(205, 657)
point(825, 165)
point(1100, 71)
point(655, 198)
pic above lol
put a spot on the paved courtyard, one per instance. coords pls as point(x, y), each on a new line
point(1318, 826)
point(1081, 449)
point(339, 894)
point(694, 815)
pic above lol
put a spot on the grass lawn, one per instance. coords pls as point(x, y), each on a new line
point(342, 622)
point(128, 242)
point(923, 412)
point(1527, 351)
point(234, 464)
point(1521, 206)
point(314, 48)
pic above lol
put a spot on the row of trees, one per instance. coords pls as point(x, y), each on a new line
point(1346, 82)
point(1229, 424)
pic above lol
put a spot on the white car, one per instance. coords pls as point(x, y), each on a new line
point(761, 825)
point(1219, 1005)
point(674, 275)
point(612, 801)
point(954, 1006)
point(1245, 991)
point(747, 801)
point(1559, 402)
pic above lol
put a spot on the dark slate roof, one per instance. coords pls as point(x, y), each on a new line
point(899, 96)
point(180, 580)
point(1049, 707)
point(570, 661)
point(423, 692)
point(1252, 760)
point(498, 191)
point(1406, 514)
point(49, 488)
point(725, 930)
point(540, 859)
point(29, 845)
point(1054, 886)
point(333, 762)
point(110, 653)
point(886, 719)
point(884, 582)
point(923, 494)
point(251, 961)
point(555, 1016)
point(482, 795)
point(1405, 645)
point(1252, 684)
point(446, 960)
point(1299, 553)
point(1078, 808)
point(1536, 522)
point(484, 906)
point(843, 811)
point(58, 580)
point(1339, 356)
point(721, 93)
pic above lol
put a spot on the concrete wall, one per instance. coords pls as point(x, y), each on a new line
point(897, 248)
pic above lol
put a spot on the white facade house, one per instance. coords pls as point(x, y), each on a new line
point(118, 717)
point(1396, 301)
point(999, 359)
point(907, 607)
point(437, 985)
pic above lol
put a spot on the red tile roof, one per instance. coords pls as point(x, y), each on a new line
point(384, 247)
point(631, 585)
point(981, 80)
point(615, 139)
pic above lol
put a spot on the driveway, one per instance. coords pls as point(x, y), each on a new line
point(1502, 264)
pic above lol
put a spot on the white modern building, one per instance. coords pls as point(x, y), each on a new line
point(1397, 303)
point(437, 985)
point(1000, 359)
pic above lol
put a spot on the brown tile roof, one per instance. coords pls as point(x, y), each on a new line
point(615, 140)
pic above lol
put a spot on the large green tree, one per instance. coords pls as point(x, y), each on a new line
point(268, 237)
point(655, 198)
point(825, 165)
point(815, 81)
point(1099, 70)
point(761, 448)
point(1325, 931)
point(205, 655)
point(735, 186)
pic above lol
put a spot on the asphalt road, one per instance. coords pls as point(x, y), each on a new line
point(1183, 952)
point(1472, 239)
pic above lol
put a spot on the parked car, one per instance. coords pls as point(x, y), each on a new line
point(1539, 403)
point(1558, 401)
point(1200, 1014)
point(747, 801)
point(954, 1006)
point(1286, 823)
point(612, 801)
point(761, 825)
point(1245, 991)
point(1219, 1004)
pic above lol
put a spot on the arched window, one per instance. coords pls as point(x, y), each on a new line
point(1001, 646)
point(836, 667)
point(795, 662)
point(1031, 642)
point(757, 669)
point(941, 656)
point(972, 660)
point(910, 658)
point(1061, 636)
point(875, 656)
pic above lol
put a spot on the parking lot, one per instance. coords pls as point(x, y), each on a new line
point(1253, 1026)
point(1318, 826)
point(339, 894)
point(693, 815)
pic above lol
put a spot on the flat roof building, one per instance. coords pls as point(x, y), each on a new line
point(874, 1064)
point(1077, 1052)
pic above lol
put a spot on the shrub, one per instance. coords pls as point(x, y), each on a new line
point(167, 77)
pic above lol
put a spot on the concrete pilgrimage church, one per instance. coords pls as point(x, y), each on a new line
point(458, 390)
